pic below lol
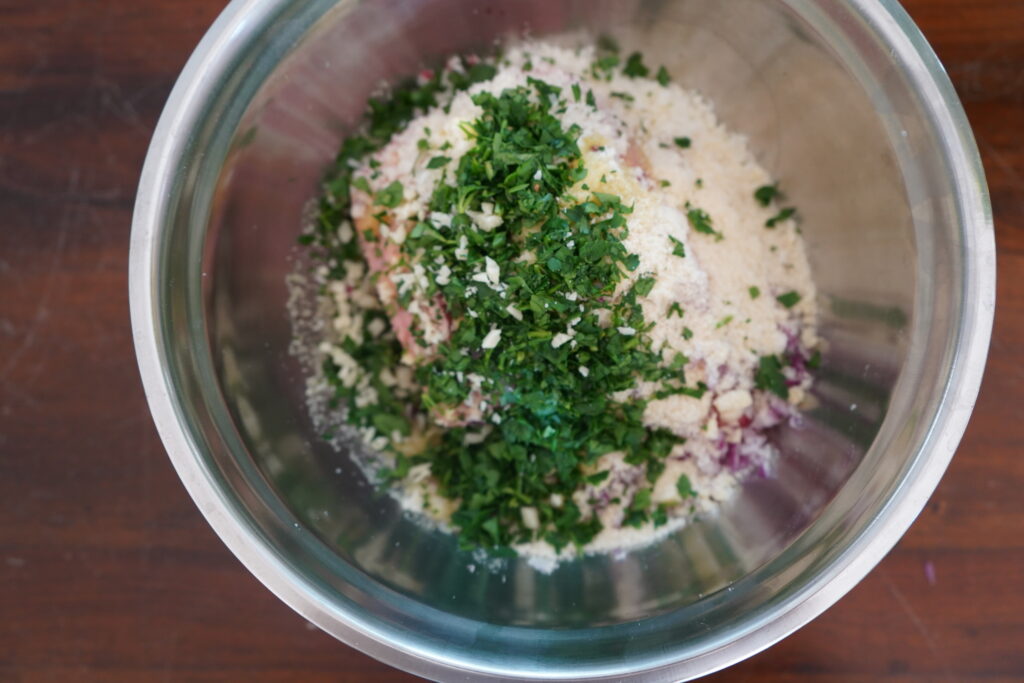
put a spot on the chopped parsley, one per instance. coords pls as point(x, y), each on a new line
point(754, 292)
point(789, 299)
point(701, 222)
point(766, 193)
point(390, 196)
point(636, 513)
point(769, 377)
point(643, 286)
point(782, 215)
point(438, 162)
point(684, 143)
point(635, 66)
point(684, 487)
point(675, 309)
point(603, 67)
point(678, 248)
point(663, 78)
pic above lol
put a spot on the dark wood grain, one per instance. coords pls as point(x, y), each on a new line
point(107, 570)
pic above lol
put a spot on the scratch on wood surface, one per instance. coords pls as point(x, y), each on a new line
point(114, 100)
point(990, 73)
point(28, 336)
point(995, 155)
point(16, 395)
point(905, 605)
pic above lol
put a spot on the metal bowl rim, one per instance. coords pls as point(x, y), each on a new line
point(163, 162)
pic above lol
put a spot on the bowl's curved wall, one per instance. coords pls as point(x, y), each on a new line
point(811, 124)
point(833, 107)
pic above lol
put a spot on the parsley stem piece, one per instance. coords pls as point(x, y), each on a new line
point(701, 222)
point(782, 215)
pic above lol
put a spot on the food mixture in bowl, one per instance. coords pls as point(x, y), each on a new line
point(559, 306)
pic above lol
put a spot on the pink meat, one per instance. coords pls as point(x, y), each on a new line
point(383, 260)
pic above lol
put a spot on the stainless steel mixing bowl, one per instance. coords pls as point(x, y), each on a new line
point(843, 101)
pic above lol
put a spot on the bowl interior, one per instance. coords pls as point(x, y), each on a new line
point(829, 111)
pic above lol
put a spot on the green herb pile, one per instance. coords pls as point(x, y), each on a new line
point(550, 368)
point(551, 374)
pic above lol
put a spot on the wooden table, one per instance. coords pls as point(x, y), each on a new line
point(107, 570)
